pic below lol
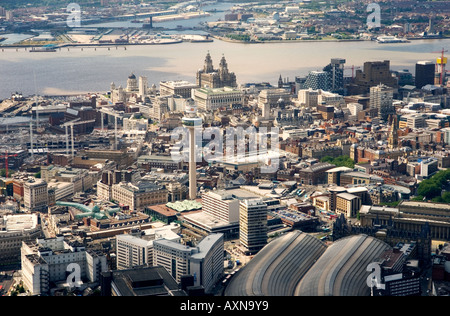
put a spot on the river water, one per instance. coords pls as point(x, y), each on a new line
point(71, 71)
point(92, 70)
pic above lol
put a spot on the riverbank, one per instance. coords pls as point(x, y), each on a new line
point(230, 40)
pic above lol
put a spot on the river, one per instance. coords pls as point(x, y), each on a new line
point(76, 70)
point(92, 70)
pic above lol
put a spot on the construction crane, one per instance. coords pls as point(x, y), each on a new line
point(6, 156)
point(71, 124)
point(441, 61)
point(116, 116)
point(353, 70)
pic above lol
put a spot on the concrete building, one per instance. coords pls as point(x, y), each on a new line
point(179, 87)
point(14, 229)
point(428, 167)
point(135, 250)
point(35, 195)
point(204, 262)
point(355, 108)
point(61, 190)
point(373, 74)
point(253, 225)
point(382, 99)
point(348, 204)
point(221, 205)
point(143, 86)
point(308, 97)
point(139, 195)
point(211, 99)
point(272, 97)
point(45, 261)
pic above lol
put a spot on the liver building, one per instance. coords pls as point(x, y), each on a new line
point(215, 78)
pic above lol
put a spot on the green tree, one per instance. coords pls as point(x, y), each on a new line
point(341, 161)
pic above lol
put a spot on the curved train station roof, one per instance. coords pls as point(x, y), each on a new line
point(297, 264)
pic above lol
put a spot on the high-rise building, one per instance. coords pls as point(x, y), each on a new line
point(215, 78)
point(318, 80)
point(425, 71)
point(253, 225)
point(382, 99)
point(143, 86)
point(221, 205)
point(335, 72)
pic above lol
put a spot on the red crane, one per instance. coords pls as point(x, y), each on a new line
point(353, 70)
point(6, 157)
point(442, 64)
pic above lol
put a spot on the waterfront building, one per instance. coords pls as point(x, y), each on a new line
point(425, 73)
point(215, 78)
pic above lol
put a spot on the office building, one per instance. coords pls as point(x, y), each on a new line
point(348, 204)
point(382, 100)
point(13, 230)
point(428, 167)
point(374, 73)
point(355, 108)
point(204, 262)
point(253, 225)
point(179, 87)
point(308, 97)
point(211, 99)
point(138, 196)
point(425, 72)
point(221, 205)
point(35, 196)
point(45, 262)
point(272, 97)
point(134, 250)
point(143, 86)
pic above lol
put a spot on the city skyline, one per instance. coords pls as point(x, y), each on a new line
point(224, 151)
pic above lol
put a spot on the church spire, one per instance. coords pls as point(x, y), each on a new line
point(393, 136)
